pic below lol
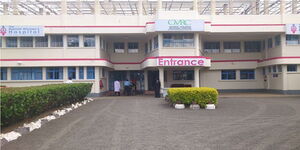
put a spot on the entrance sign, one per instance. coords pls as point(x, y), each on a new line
point(292, 29)
point(22, 31)
point(179, 25)
point(183, 62)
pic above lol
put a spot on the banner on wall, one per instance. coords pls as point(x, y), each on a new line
point(179, 25)
point(292, 29)
point(183, 62)
point(15, 31)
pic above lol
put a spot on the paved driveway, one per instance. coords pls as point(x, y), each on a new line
point(140, 123)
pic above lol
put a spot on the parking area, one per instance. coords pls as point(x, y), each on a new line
point(259, 122)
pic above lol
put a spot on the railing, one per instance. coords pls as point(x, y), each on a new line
point(134, 7)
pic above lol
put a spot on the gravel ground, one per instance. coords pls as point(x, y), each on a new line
point(145, 123)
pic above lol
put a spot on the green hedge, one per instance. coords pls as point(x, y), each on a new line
point(25, 102)
point(201, 96)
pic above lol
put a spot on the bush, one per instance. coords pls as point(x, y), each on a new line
point(201, 96)
point(25, 102)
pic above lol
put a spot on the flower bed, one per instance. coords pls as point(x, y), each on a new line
point(25, 102)
point(194, 95)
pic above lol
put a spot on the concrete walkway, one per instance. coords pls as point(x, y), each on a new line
point(145, 123)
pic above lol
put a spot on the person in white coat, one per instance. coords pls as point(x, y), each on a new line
point(117, 87)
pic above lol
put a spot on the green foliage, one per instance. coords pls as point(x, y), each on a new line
point(25, 102)
point(201, 96)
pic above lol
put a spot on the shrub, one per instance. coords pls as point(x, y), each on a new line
point(201, 96)
point(25, 102)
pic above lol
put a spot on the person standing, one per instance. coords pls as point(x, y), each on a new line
point(157, 88)
point(127, 88)
point(117, 87)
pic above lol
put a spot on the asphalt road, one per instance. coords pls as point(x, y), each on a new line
point(145, 123)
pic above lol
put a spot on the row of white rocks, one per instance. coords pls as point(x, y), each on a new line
point(26, 128)
point(195, 106)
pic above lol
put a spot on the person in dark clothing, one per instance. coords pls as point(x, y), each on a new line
point(157, 89)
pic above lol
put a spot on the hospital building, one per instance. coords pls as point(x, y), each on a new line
point(231, 45)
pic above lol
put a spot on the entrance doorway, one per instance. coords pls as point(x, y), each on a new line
point(135, 77)
point(152, 77)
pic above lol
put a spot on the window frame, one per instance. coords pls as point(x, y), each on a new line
point(26, 73)
point(185, 75)
point(56, 72)
point(73, 40)
point(208, 48)
point(178, 40)
point(133, 47)
point(3, 73)
point(292, 65)
point(227, 73)
point(56, 43)
point(89, 41)
point(72, 72)
point(41, 41)
point(230, 49)
point(119, 47)
point(252, 49)
point(15, 42)
point(295, 41)
point(26, 42)
point(247, 74)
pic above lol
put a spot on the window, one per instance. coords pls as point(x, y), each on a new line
point(41, 41)
point(3, 74)
point(81, 73)
point(0, 42)
point(228, 75)
point(292, 39)
point(34, 73)
point(264, 45)
point(11, 42)
point(232, 47)
point(155, 40)
point(270, 43)
point(26, 42)
point(72, 72)
point(57, 41)
point(89, 41)
point(292, 68)
point(274, 69)
point(146, 48)
point(183, 75)
point(211, 47)
point(252, 46)
point(264, 71)
point(73, 40)
point(247, 74)
point(279, 68)
point(90, 72)
point(178, 40)
point(150, 45)
point(133, 47)
point(269, 69)
point(54, 73)
point(277, 40)
point(119, 47)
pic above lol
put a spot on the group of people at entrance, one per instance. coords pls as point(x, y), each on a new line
point(130, 88)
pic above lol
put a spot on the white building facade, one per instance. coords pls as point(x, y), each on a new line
point(235, 46)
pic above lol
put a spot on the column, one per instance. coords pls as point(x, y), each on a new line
point(65, 74)
point(159, 5)
point(284, 78)
point(195, 5)
point(197, 77)
point(225, 9)
point(15, 7)
point(161, 77)
point(96, 7)
point(44, 73)
point(8, 73)
point(97, 79)
point(282, 7)
point(78, 5)
point(140, 7)
point(5, 9)
point(294, 6)
point(146, 80)
point(230, 4)
point(63, 7)
point(197, 49)
point(200, 9)
point(253, 5)
point(77, 73)
point(41, 11)
point(213, 7)
point(266, 7)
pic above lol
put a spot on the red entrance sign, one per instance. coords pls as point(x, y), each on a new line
point(183, 62)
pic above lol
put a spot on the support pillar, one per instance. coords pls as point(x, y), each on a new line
point(294, 6)
point(266, 7)
point(78, 5)
point(161, 77)
point(197, 49)
point(65, 74)
point(159, 5)
point(225, 9)
point(213, 7)
point(146, 80)
point(15, 7)
point(96, 7)
point(140, 7)
point(282, 7)
point(253, 5)
point(230, 8)
point(284, 77)
point(64, 7)
point(195, 5)
point(197, 77)
point(97, 79)
point(5, 9)
point(200, 9)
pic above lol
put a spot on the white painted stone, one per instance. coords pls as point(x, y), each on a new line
point(50, 117)
point(33, 125)
point(210, 106)
point(179, 106)
point(11, 136)
point(194, 106)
